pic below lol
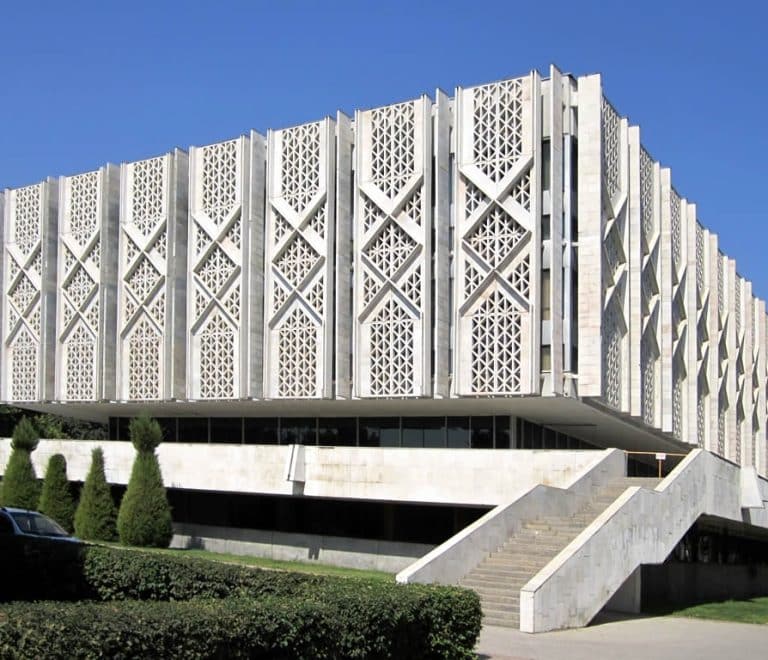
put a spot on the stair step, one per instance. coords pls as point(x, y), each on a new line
point(503, 622)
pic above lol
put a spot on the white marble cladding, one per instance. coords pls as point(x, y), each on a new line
point(668, 331)
point(151, 354)
point(516, 239)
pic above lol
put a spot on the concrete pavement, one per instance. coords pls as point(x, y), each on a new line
point(660, 638)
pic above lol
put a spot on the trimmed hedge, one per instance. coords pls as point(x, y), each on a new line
point(148, 603)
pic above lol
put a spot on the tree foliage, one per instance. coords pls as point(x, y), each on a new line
point(145, 515)
point(20, 487)
point(95, 516)
point(56, 499)
point(25, 436)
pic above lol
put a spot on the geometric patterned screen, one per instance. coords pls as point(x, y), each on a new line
point(615, 241)
point(299, 248)
point(143, 267)
point(494, 238)
point(650, 350)
point(392, 229)
point(215, 280)
point(23, 292)
point(678, 229)
point(702, 340)
point(78, 312)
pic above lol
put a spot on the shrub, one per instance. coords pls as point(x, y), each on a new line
point(20, 487)
point(145, 515)
point(253, 613)
point(56, 499)
point(145, 433)
point(95, 515)
point(25, 436)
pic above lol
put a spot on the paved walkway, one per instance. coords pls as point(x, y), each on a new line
point(659, 638)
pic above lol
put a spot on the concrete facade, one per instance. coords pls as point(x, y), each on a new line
point(511, 253)
point(513, 240)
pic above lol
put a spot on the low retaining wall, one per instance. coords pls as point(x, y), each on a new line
point(387, 556)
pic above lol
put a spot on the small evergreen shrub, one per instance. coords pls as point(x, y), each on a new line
point(95, 516)
point(20, 487)
point(25, 436)
point(144, 518)
point(56, 499)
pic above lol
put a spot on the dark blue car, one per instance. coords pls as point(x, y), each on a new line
point(40, 560)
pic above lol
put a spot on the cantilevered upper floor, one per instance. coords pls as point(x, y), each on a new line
point(512, 249)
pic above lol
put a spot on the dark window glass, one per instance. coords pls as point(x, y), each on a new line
point(227, 429)
point(113, 428)
point(379, 431)
point(337, 431)
point(123, 432)
point(423, 431)
point(298, 431)
point(482, 432)
point(458, 432)
point(192, 429)
point(168, 426)
point(502, 432)
point(6, 526)
point(260, 430)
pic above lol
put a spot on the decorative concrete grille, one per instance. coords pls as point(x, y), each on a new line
point(701, 413)
point(646, 198)
point(495, 227)
point(699, 262)
point(677, 238)
point(299, 247)
point(648, 357)
point(78, 296)
point(392, 348)
point(613, 352)
point(678, 378)
point(611, 149)
point(615, 264)
point(393, 274)
point(216, 270)
point(144, 266)
point(23, 292)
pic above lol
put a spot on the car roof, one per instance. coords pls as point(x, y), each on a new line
point(13, 509)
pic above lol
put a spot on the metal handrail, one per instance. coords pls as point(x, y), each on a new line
point(661, 456)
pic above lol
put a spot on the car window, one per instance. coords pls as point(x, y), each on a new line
point(35, 523)
point(6, 526)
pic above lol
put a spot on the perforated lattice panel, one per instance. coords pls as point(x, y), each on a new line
point(494, 237)
point(143, 269)
point(215, 269)
point(79, 284)
point(393, 262)
point(23, 283)
point(299, 247)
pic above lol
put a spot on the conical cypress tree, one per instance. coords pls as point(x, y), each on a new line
point(145, 515)
point(95, 515)
point(20, 487)
point(56, 499)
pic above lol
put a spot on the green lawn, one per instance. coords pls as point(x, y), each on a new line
point(754, 610)
point(274, 564)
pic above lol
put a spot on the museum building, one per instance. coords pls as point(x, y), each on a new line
point(359, 334)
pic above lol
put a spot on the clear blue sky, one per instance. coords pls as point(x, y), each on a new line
point(87, 82)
